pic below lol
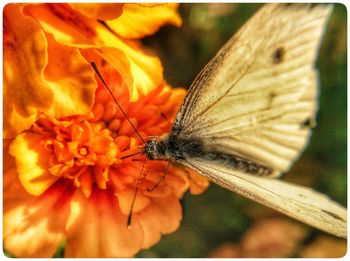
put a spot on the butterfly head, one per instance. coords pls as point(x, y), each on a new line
point(155, 149)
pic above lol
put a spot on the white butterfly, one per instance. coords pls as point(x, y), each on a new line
point(245, 117)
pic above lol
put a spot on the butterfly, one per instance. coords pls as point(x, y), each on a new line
point(247, 116)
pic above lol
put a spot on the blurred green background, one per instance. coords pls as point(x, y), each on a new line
point(219, 216)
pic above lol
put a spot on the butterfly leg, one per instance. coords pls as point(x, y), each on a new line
point(161, 179)
point(135, 194)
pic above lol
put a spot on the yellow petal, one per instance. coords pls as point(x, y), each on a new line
point(32, 226)
point(140, 73)
point(71, 80)
point(101, 11)
point(139, 20)
point(120, 62)
point(32, 162)
point(40, 75)
point(25, 56)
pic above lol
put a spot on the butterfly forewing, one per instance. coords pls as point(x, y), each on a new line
point(255, 96)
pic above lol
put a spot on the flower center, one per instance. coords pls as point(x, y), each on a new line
point(89, 149)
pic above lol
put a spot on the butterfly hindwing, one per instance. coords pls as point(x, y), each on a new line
point(301, 203)
point(256, 96)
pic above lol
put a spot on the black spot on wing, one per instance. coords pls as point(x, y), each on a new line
point(278, 55)
point(308, 123)
point(332, 214)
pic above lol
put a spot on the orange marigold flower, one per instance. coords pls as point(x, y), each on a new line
point(65, 175)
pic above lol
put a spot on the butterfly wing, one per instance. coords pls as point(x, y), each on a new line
point(257, 97)
point(301, 203)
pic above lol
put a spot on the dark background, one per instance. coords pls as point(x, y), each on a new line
point(218, 216)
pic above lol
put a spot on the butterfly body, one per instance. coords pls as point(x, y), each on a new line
point(176, 148)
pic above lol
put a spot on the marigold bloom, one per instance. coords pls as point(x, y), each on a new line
point(64, 176)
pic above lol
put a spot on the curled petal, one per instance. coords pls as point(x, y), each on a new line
point(101, 11)
point(169, 213)
point(118, 59)
point(73, 29)
point(71, 79)
point(100, 228)
point(32, 161)
point(141, 69)
point(150, 16)
point(162, 216)
point(25, 56)
point(40, 75)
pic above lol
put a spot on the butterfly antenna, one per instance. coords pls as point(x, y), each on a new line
point(134, 198)
point(131, 155)
point(161, 179)
point(109, 90)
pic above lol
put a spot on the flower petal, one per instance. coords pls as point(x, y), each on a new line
point(32, 225)
point(25, 56)
point(102, 11)
point(100, 229)
point(144, 68)
point(32, 162)
point(139, 20)
point(71, 79)
point(125, 199)
point(73, 29)
point(198, 183)
point(162, 216)
point(40, 75)
point(66, 25)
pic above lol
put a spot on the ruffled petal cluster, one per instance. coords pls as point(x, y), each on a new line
point(66, 177)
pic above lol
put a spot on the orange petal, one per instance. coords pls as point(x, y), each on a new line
point(66, 25)
point(73, 29)
point(25, 56)
point(71, 79)
point(32, 161)
point(149, 221)
point(8, 161)
point(125, 199)
point(162, 216)
point(119, 60)
point(100, 143)
point(40, 75)
point(100, 228)
point(145, 69)
point(32, 225)
point(198, 183)
point(86, 182)
point(101, 11)
point(139, 20)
